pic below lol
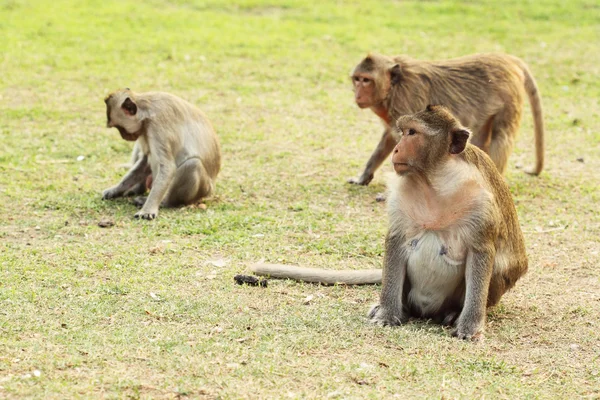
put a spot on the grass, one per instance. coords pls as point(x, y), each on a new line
point(148, 310)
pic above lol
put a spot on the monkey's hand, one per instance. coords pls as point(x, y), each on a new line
point(111, 193)
point(385, 317)
point(468, 330)
point(143, 214)
point(364, 180)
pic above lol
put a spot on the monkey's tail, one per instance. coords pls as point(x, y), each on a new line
point(316, 275)
point(538, 122)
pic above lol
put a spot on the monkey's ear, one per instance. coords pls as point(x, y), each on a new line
point(395, 74)
point(129, 106)
point(459, 141)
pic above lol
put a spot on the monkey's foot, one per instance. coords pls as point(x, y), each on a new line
point(468, 332)
point(450, 318)
point(383, 317)
point(149, 215)
point(111, 193)
point(140, 201)
point(532, 171)
point(136, 190)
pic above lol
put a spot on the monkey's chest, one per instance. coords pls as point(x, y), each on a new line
point(436, 268)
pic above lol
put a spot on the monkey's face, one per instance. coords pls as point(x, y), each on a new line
point(364, 89)
point(122, 113)
point(408, 153)
point(372, 79)
point(427, 139)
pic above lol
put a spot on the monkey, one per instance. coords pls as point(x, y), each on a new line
point(484, 91)
point(454, 244)
point(176, 155)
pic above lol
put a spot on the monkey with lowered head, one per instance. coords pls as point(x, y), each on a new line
point(454, 244)
point(176, 154)
point(484, 91)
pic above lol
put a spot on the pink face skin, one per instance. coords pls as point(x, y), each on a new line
point(407, 151)
point(364, 88)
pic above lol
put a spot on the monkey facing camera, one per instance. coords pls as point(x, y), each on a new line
point(454, 244)
point(176, 153)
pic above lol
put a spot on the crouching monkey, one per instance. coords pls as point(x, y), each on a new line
point(454, 244)
point(176, 154)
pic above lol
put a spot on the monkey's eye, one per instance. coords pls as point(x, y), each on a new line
point(411, 132)
point(366, 80)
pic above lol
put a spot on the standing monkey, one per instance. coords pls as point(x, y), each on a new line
point(176, 154)
point(454, 244)
point(484, 91)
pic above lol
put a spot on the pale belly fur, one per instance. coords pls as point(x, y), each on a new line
point(436, 267)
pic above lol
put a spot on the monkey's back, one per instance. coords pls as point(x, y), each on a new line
point(511, 243)
point(196, 138)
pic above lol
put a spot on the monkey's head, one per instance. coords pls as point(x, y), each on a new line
point(122, 113)
point(427, 139)
point(372, 79)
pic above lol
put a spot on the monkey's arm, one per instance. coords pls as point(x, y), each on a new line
point(391, 311)
point(135, 175)
point(160, 186)
point(383, 149)
point(478, 273)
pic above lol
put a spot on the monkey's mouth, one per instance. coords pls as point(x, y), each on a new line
point(401, 167)
point(131, 137)
point(362, 104)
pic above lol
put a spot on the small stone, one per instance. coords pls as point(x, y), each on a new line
point(105, 223)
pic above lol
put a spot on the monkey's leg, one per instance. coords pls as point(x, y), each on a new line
point(383, 149)
point(504, 130)
point(136, 190)
point(391, 311)
point(134, 176)
point(140, 188)
point(190, 184)
point(478, 273)
point(483, 138)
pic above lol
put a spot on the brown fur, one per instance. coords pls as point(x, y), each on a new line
point(484, 91)
point(176, 154)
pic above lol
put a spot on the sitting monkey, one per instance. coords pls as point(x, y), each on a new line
point(176, 155)
point(454, 244)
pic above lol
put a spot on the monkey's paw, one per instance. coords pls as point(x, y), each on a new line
point(149, 215)
point(384, 317)
point(363, 180)
point(532, 171)
point(470, 332)
point(110, 193)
